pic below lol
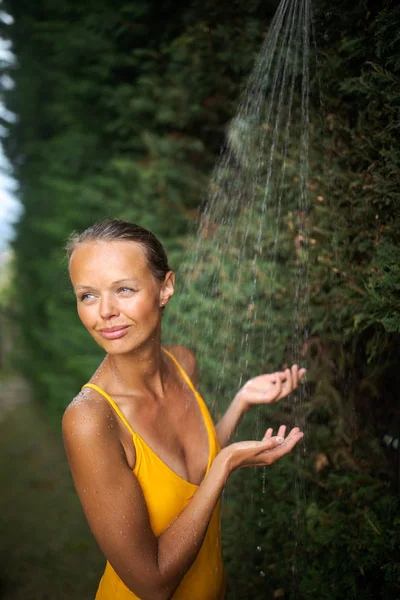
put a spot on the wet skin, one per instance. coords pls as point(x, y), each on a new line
point(115, 288)
point(119, 302)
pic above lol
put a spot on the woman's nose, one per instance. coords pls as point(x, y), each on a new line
point(108, 307)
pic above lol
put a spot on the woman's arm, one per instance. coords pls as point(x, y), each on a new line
point(227, 425)
point(264, 389)
point(152, 567)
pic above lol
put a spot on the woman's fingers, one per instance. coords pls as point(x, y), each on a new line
point(250, 450)
point(278, 450)
point(282, 431)
point(265, 389)
point(280, 436)
point(295, 376)
point(291, 379)
point(294, 436)
point(264, 452)
point(268, 433)
point(287, 383)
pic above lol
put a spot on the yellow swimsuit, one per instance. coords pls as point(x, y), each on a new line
point(166, 495)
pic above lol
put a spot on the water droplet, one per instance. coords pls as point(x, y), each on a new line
point(259, 548)
point(262, 574)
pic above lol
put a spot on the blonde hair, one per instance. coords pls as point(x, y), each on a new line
point(114, 230)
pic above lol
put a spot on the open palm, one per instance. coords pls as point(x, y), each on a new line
point(265, 452)
point(267, 389)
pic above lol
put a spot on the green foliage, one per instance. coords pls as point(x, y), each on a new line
point(121, 113)
point(118, 116)
point(343, 503)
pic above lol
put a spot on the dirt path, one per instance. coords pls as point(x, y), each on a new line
point(46, 549)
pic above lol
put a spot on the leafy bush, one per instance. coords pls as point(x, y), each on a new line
point(121, 112)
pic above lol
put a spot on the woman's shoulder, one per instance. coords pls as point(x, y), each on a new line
point(88, 416)
point(185, 358)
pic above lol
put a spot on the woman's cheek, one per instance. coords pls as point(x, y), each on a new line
point(81, 313)
point(86, 314)
point(139, 305)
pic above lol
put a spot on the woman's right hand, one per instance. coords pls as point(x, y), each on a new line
point(263, 453)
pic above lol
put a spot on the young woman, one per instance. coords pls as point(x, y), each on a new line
point(148, 464)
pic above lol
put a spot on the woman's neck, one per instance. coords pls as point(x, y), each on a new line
point(141, 371)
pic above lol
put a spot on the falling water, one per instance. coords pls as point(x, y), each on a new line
point(244, 306)
point(259, 186)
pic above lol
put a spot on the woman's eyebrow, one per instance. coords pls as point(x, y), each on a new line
point(118, 282)
point(123, 280)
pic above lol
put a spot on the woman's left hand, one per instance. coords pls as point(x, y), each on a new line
point(267, 389)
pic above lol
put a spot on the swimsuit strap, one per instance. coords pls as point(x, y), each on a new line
point(118, 411)
point(113, 404)
point(202, 405)
point(183, 373)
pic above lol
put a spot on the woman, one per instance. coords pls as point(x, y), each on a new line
point(148, 464)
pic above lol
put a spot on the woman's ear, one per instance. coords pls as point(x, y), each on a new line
point(167, 288)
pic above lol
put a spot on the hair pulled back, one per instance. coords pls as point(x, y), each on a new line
point(117, 230)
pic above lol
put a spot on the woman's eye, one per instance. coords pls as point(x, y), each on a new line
point(125, 290)
point(86, 297)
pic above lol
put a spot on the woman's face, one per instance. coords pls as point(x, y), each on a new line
point(118, 297)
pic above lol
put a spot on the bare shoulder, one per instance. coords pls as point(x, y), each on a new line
point(88, 418)
point(186, 359)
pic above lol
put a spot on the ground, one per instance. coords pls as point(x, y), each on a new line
point(46, 551)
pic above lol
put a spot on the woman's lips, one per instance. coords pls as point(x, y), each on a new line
point(114, 333)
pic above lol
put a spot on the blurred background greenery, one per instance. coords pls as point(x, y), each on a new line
point(122, 109)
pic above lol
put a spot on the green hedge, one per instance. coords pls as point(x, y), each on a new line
point(121, 112)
